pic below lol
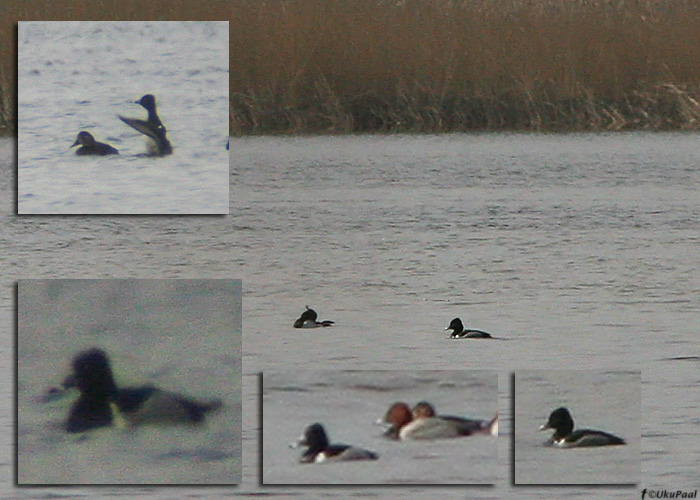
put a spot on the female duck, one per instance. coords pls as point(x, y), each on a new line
point(423, 409)
point(320, 450)
point(308, 319)
point(565, 437)
point(102, 404)
point(153, 128)
point(458, 331)
point(89, 146)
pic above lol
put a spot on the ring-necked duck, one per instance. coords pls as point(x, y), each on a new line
point(89, 146)
point(458, 331)
point(152, 128)
point(423, 423)
point(102, 404)
point(565, 437)
point(308, 319)
point(320, 450)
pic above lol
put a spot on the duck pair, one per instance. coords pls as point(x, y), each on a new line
point(309, 319)
point(152, 128)
point(423, 422)
point(102, 404)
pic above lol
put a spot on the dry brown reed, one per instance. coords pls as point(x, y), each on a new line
point(441, 65)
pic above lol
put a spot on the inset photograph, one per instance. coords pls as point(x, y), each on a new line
point(123, 117)
point(379, 427)
point(577, 427)
point(128, 382)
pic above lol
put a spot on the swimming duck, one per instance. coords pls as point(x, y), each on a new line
point(320, 450)
point(465, 426)
point(101, 404)
point(308, 319)
point(153, 127)
point(423, 423)
point(458, 331)
point(89, 146)
point(565, 437)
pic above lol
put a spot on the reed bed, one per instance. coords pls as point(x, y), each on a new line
point(339, 66)
point(456, 65)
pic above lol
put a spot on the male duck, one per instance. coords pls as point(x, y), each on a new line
point(101, 404)
point(565, 437)
point(319, 448)
point(153, 128)
point(308, 319)
point(458, 331)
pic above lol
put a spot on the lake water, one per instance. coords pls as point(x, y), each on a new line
point(75, 76)
point(578, 250)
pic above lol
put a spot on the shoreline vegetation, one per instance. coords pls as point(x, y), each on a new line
point(464, 65)
point(429, 66)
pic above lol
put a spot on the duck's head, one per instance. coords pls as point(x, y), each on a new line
point(148, 101)
point(84, 139)
point(92, 374)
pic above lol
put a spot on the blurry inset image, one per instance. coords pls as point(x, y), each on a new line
point(378, 427)
point(137, 381)
point(577, 427)
point(123, 117)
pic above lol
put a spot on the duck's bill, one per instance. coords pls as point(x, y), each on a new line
point(52, 394)
point(301, 441)
point(388, 430)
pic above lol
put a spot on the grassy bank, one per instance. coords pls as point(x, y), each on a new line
point(435, 65)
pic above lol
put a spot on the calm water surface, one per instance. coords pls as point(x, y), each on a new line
point(577, 250)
